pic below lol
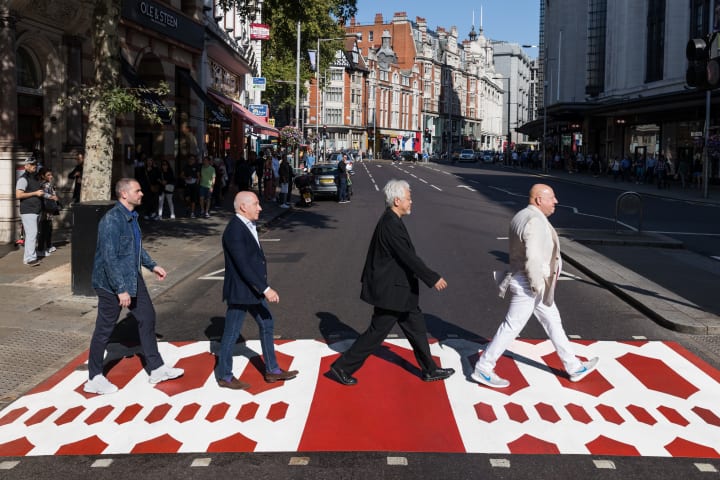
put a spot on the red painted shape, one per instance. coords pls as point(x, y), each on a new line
point(188, 412)
point(527, 444)
point(641, 415)
point(234, 443)
point(128, 414)
point(69, 415)
point(158, 413)
point(277, 411)
point(594, 384)
point(547, 412)
point(197, 370)
point(162, 444)
point(485, 412)
point(603, 445)
point(61, 374)
point(87, 446)
point(610, 414)
point(254, 373)
point(99, 415)
point(386, 410)
point(578, 413)
point(217, 412)
point(685, 448)
point(656, 375)
point(707, 415)
point(13, 415)
point(40, 416)
point(706, 368)
point(510, 371)
point(247, 412)
point(516, 412)
point(16, 448)
point(673, 416)
point(120, 374)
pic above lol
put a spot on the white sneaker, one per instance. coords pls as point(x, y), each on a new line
point(172, 217)
point(50, 250)
point(587, 367)
point(490, 379)
point(164, 372)
point(100, 385)
point(284, 205)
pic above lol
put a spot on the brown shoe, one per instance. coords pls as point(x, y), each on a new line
point(233, 384)
point(283, 375)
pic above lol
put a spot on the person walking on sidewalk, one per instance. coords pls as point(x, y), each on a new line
point(390, 284)
point(118, 282)
point(207, 183)
point(50, 207)
point(535, 266)
point(167, 189)
point(245, 289)
point(76, 176)
point(28, 190)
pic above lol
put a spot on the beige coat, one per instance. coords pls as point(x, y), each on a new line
point(535, 251)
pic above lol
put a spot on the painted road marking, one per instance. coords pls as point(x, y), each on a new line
point(216, 275)
point(423, 180)
point(436, 188)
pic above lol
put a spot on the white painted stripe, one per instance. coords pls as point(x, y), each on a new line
point(392, 335)
point(201, 462)
point(216, 275)
point(299, 461)
point(502, 238)
point(269, 239)
point(575, 337)
point(422, 180)
point(9, 465)
point(639, 337)
point(436, 188)
point(500, 463)
point(606, 464)
point(397, 461)
point(705, 467)
point(413, 175)
point(467, 187)
point(102, 463)
point(568, 276)
point(715, 258)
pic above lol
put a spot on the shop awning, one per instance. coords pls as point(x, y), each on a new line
point(216, 115)
point(149, 97)
point(259, 124)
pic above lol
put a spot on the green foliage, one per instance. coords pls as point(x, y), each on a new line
point(118, 100)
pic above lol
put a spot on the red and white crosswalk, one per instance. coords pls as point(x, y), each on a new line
point(646, 399)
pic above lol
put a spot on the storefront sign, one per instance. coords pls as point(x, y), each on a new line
point(259, 84)
point(165, 21)
point(259, 31)
point(259, 109)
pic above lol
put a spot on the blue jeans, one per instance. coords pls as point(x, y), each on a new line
point(233, 325)
point(30, 227)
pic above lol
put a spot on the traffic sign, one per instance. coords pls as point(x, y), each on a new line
point(259, 109)
point(259, 83)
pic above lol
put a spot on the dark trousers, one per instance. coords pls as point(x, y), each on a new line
point(412, 324)
point(108, 313)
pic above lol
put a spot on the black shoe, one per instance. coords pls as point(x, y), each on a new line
point(342, 377)
point(437, 374)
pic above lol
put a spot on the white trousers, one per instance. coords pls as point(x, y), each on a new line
point(522, 305)
point(30, 227)
point(169, 197)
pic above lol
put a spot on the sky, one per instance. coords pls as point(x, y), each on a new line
point(515, 21)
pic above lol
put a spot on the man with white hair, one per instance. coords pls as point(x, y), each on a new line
point(390, 284)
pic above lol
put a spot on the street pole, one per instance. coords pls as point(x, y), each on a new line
point(296, 160)
point(509, 134)
point(317, 99)
point(705, 159)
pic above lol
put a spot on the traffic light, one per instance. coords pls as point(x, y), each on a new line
point(703, 69)
point(428, 135)
point(324, 132)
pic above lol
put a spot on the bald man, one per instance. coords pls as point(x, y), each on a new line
point(535, 265)
point(245, 289)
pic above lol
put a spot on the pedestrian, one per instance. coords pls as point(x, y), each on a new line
point(342, 180)
point(191, 178)
point(243, 175)
point(259, 170)
point(276, 174)
point(309, 161)
point(390, 284)
point(167, 189)
point(615, 169)
point(118, 282)
point(285, 172)
point(535, 266)
point(207, 182)
point(246, 289)
point(76, 176)
point(28, 190)
point(50, 208)
point(148, 176)
point(268, 179)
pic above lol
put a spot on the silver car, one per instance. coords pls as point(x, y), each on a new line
point(324, 178)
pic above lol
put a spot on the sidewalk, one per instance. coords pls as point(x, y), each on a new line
point(44, 325)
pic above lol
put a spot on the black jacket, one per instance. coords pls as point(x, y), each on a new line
point(392, 269)
point(245, 267)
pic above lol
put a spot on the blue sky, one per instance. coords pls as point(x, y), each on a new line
point(511, 20)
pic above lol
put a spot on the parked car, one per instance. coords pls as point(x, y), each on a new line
point(467, 155)
point(488, 156)
point(323, 183)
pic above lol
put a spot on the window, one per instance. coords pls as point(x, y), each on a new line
point(333, 116)
point(655, 51)
point(597, 15)
point(28, 74)
point(370, 36)
point(359, 36)
point(333, 94)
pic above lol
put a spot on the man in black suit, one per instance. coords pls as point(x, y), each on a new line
point(390, 284)
point(245, 289)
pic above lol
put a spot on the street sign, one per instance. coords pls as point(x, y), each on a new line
point(259, 109)
point(696, 134)
point(259, 84)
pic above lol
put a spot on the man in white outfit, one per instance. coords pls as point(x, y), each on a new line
point(535, 266)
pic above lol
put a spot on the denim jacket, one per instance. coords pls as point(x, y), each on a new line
point(117, 266)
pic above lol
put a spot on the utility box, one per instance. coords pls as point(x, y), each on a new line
point(85, 220)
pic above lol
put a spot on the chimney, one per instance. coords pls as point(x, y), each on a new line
point(378, 19)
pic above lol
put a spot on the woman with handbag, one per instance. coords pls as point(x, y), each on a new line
point(51, 207)
point(167, 183)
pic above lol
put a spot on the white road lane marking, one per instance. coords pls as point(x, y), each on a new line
point(467, 188)
point(422, 180)
point(436, 188)
point(216, 275)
